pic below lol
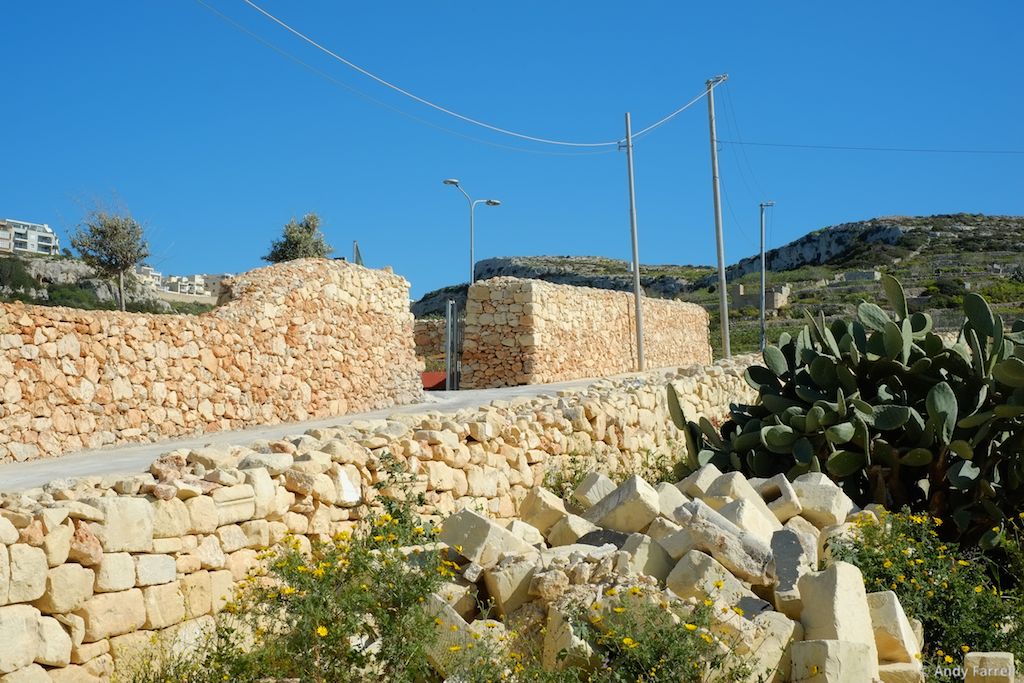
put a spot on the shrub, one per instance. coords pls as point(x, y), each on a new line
point(895, 414)
point(955, 592)
point(14, 275)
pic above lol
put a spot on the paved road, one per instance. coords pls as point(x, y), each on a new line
point(133, 458)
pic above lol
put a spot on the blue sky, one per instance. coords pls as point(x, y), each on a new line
point(214, 140)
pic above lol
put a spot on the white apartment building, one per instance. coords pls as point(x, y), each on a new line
point(29, 238)
point(149, 277)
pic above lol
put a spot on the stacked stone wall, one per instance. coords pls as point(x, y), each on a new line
point(93, 569)
point(429, 336)
point(299, 340)
point(533, 332)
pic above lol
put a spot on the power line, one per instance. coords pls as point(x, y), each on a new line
point(457, 115)
point(734, 124)
point(341, 84)
point(923, 150)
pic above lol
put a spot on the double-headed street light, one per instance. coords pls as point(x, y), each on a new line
point(472, 207)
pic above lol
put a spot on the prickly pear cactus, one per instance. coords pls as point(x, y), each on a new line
point(889, 410)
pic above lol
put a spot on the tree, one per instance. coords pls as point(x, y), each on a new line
point(112, 244)
point(300, 240)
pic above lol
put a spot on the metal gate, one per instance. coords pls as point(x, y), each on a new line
point(453, 332)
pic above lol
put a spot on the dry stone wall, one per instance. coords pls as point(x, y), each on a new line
point(428, 334)
point(299, 340)
point(533, 332)
point(92, 569)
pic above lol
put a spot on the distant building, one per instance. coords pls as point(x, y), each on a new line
point(186, 284)
point(215, 283)
point(148, 277)
point(859, 276)
point(774, 298)
point(28, 238)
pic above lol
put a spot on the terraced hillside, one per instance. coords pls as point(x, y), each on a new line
point(938, 258)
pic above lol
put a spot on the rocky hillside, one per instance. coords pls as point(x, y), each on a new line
point(62, 281)
point(663, 281)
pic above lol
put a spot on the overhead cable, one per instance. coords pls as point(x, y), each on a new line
point(462, 117)
point(341, 84)
point(856, 148)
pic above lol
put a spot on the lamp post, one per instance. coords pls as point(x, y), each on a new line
point(472, 208)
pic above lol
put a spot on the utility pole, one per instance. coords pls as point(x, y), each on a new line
point(723, 301)
point(636, 250)
point(764, 333)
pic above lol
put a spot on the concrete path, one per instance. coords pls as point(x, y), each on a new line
point(132, 458)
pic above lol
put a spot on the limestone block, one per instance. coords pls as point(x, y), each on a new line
point(54, 643)
point(562, 648)
point(212, 457)
point(8, 532)
point(19, 637)
point(127, 524)
point(592, 489)
point(131, 647)
point(170, 518)
point(569, 530)
point(646, 556)
point(748, 517)
point(744, 554)
point(768, 652)
point(209, 553)
point(102, 666)
point(669, 498)
point(167, 546)
point(33, 673)
point(5, 574)
point(833, 661)
point(662, 528)
point(348, 484)
point(264, 490)
point(165, 605)
point(989, 667)
point(780, 496)
point(232, 538)
point(84, 652)
point(461, 595)
point(698, 575)
point(894, 636)
point(697, 483)
point(508, 584)
point(57, 544)
point(115, 572)
point(74, 625)
point(900, 672)
point(526, 532)
point(234, 503)
point(221, 589)
point(835, 606)
point(542, 509)
point(450, 631)
point(735, 486)
point(85, 549)
point(823, 502)
point(240, 563)
point(67, 587)
point(72, 674)
point(202, 515)
point(111, 614)
point(257, 533)
point(151, 570)
point(792, 560)
point(273, 463)
point(479, 539)
point(28, 569)
point(630, 507)
point(196, 588)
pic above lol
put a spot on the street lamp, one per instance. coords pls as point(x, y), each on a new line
point(472, 207)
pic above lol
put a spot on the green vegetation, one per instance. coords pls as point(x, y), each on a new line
point(891, 411)
point(301, 239)
point(959, 594)
point(112, 245)
point(14, 275)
